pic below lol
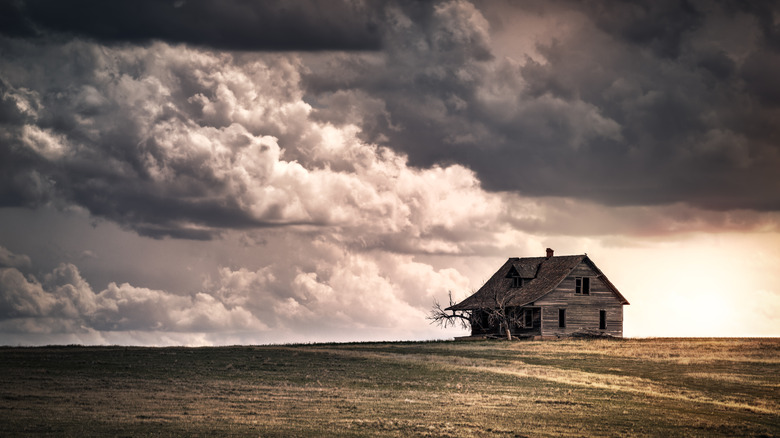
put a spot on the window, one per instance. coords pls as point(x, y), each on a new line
point(517, 279)
point(582, 285)
point(529, 318)
point(561, 317)
point(602, 319)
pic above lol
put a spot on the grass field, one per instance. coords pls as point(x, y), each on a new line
point(657, 387)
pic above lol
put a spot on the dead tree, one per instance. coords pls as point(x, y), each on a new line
point(444, 319)
point(499, 315)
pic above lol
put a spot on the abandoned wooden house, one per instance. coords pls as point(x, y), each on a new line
point(547, 297)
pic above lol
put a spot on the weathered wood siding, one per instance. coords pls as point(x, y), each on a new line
point(536, 320)
point(582, 311)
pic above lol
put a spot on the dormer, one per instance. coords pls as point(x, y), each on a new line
point(517, 279)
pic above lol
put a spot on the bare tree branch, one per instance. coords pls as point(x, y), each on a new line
point(498, 315)
point(446, 319)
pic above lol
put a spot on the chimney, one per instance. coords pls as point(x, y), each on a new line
point(549, 252)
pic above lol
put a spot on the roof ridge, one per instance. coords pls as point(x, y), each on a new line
point(548, 258)
point(544, 257)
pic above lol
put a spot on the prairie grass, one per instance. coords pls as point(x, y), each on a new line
point(657, 387)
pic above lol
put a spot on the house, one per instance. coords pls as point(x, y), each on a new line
point(552, 296)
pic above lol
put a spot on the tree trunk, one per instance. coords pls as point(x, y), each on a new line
point(508, 334)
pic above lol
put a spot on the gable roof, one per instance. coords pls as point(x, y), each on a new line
point(547, 274)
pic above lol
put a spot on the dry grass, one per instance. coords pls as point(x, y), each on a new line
point(660, 387)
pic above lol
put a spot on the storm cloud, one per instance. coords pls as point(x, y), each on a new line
point(619, 103)
point(195, 143)
point(231, 25)
point(219, 172)
point(622, 104)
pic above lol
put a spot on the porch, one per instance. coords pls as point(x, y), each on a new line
point(524, 322)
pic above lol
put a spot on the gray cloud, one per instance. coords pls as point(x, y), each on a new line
point(65, 303)
point(628, 104)
point(123, 145)
point(659, 26)
point(632, 105)
point(315, 295)
point(11, 260)
point(194, 143)
point(231, 25)
point(328, 195)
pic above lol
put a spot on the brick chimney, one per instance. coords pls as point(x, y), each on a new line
point(549, 252)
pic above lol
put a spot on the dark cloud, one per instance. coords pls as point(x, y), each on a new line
point(233, 25)
point(350, 188)
point(13, 21)
point(11, 260)
point(632, 104)
point(23, 179)
point(659, 26)
point(108, 135)
point(765, 13)
point(760, 72)
point(186, 143)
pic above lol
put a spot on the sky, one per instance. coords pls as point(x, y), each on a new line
point(203, 172)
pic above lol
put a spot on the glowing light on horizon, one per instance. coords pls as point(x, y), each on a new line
point(706, 285)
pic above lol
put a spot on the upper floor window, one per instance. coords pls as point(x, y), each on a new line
point(517, 279)
point(582, 285)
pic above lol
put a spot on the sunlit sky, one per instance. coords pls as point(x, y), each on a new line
point(303, 171)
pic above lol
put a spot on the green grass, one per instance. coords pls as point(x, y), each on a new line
point(660, 387)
